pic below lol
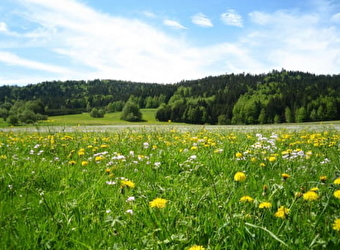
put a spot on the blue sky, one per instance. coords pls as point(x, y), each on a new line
point(164, 41)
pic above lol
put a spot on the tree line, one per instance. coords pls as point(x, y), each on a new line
point(275, 97)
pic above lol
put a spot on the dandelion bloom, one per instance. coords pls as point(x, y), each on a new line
point(265, 205)
point(337, 194)
point(196, 247)
point(282, 212)
point(239, 155)
point(336, 225)
point(272, 158)
point(337, 181)
point(323, 178)
point(285, 176)
point(310, 196)
point(246, 199)
point(84, 163)
point(240, 176)
point(72, 162)
point(158, 203)
point(126, 183)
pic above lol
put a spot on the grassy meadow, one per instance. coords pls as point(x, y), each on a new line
point(163, 188)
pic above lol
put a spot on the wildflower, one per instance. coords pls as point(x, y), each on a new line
point(337, 181)
point(262, 164)
point(84, 163)
point(72, 162)
point(272, 158)
point(265, 205)
point(127, 183)
point(81, 152)
point(282, 212)
point(99, 158)
point(285, 176)
point(310, 196)
point(111, 183)
point(336, 225)
point(323, 178)
point(158, 203)
point(298, 195)
point(238, 155)
point(130, 199)
point(129, 211)
point(314, 189)
point(196, 247)
point(246, 199)
point(240, 176)
point(337, 194)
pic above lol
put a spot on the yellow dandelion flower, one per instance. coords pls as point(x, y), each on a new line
point(240, 176)
point(72, 162)
point(99, 158)
point(196, 247)
point(81, 152)
point(315, 189)
point(282, 212)
point(337, 181)
point(285, 176)
point(246, 199)
point(158, 203)
point(323, 178)
point(84, 163)
point(126, 183)
point(336, 225)
point(239, 155)
point(262, 164)
point(310, 196)
point(272, 158)
point(337, 194)
point(265, 205)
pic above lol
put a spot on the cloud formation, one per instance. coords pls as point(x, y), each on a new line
point(173, 24)
point(3, 27)
point(231, 17)
point(201, 20)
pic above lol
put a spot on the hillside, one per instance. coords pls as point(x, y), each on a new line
point(278, 96)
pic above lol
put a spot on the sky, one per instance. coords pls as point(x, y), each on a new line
point(160, 41)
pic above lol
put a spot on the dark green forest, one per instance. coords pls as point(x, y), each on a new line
point(275, 97)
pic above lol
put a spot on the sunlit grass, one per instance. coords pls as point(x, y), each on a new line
point(162, 188)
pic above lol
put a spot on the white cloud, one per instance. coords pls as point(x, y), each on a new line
point(231, 17)
point(259, 17)
point(12, 59)
point(149, 14)
point(173, 24)
point(336, 18)
point(295, 41)
point(201, 20)
point(3, 27)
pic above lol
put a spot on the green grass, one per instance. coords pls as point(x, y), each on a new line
point(65, 191)
point(108, 119)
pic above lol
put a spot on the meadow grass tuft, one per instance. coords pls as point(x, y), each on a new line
point(165, 188)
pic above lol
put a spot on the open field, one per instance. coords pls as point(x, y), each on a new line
point(170, 187)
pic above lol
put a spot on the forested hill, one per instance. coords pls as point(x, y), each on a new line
point(279, 96)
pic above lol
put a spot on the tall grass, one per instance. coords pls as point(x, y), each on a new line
point(86, 190)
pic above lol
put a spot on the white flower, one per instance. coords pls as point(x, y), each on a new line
point(130, 199)
point(146, 144)
point(193, 157)
point(110, 182)
point(129, 211)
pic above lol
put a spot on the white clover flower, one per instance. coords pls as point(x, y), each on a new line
point(130, 199)
point(111, 183)
point(129, 211)
point(146, 144)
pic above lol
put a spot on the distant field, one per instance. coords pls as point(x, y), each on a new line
point(87, 120)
